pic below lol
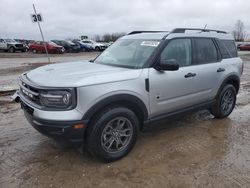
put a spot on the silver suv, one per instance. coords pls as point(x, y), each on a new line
point(143, 77)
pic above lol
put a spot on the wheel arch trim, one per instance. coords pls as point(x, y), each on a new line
point(116, 99)
point(228, 79)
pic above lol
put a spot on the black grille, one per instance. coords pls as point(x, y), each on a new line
point(19, 45)
point(30, 93)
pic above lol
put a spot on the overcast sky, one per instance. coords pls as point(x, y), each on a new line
point(72, 18)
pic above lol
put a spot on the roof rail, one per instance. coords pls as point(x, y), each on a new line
point(137, 32)
point(182, 30)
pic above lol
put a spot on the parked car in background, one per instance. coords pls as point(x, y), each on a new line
point(84, 47)
point(38, 47)
point(96, 45)
point(11, 45)
point(68, 45)
point(25, 43)
point(110, 43)
point(244, 47)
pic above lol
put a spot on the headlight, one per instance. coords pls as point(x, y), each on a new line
point(58, 99)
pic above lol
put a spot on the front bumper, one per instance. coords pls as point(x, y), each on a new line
point(21, 48)
point(72, 131)
point(102, 47)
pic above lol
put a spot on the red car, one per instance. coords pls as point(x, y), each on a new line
point(244, 47)
point(51, 47)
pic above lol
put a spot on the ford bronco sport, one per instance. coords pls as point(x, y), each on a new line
point(143, 77)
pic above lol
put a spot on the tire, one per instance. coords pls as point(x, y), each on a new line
point(225, 102)
point(34, 51)
point(12, 49)
point(112, 133)
point(97, 48)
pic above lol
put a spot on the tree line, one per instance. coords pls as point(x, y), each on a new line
point(239, 34)
point(108, 37)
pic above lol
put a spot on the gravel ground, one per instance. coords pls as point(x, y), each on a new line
point(193, 151)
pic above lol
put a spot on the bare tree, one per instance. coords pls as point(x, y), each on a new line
point(239, 31)
point(108, 37)
point(97, 38)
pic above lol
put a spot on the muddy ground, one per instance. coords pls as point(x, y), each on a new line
point(13, 64)
point(193, 151)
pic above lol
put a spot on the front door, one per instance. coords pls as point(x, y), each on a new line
point(173, 90)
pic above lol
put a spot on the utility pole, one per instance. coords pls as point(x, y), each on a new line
point(37, 18)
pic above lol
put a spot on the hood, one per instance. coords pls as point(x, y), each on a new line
point(13, 43)
point(82, 73)
point(99, 44)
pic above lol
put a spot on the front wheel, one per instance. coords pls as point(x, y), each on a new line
point(225, 102)
point(113, 133)
point(12, 49)
point(97, 48)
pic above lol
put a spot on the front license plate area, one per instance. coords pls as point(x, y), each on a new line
point(28, 109)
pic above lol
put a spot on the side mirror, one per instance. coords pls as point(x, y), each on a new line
point(170, 65)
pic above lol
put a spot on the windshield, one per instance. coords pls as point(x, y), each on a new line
point(70, 43)
point(52, 43)
point(10, 40)
point(129, 53)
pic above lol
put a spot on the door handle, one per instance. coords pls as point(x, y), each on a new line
point(220, 69)
point(188, 75)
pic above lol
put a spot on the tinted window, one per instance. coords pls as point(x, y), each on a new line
point(224, 51)
point(180, 50)
point(206, 51)
point(231, 47)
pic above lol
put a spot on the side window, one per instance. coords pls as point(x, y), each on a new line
point(1, 40)
point(224, 51)
point(180, 50)
point(231, 47)
point(205, 51)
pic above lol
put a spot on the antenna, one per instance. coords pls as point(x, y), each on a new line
point(205, 26)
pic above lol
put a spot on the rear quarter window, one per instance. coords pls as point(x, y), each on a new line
point(228, 48)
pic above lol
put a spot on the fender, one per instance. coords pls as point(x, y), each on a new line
point(126, 99)
point(232, 78)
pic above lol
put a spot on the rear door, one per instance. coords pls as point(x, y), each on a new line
point(208, 66)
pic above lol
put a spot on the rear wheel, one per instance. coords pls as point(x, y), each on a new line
point(112, 134)
point(225, 102)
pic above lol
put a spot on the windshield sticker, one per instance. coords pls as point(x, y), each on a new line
point(150, 43)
